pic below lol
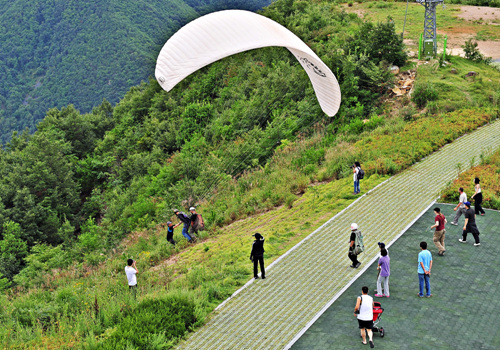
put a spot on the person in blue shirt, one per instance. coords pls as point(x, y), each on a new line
point(424, 270)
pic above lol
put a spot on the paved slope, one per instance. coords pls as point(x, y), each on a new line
point(464, 286)
point(268, 314)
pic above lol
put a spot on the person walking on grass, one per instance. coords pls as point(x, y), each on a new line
point(356, 169)
point(131, 271)
point(478, 198)
point(424, 270)
point(184, 219)
point(363, 311)
point(257, 256)
point(354, 250)
point(470, 226)
point(170, 232)
point(197, 223)
point(384, 267)
point(439, 233)
point(460, 208)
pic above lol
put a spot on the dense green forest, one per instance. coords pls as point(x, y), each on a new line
point(53, 53)
point(239, 137)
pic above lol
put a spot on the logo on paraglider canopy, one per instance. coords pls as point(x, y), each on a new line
point(161, 79)
point(312, 66)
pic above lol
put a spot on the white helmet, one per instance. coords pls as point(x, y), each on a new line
point(354, 226)
point(192, 208)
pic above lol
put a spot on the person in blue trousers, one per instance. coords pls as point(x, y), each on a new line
point(424, 270)
point(186, 221)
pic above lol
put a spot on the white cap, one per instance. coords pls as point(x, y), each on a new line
point(354, 226)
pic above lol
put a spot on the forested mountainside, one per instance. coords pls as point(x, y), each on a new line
point(55, 52)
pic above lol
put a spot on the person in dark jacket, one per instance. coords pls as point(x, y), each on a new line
point(470, 225)
point(197, 223)
point(352, 247)
point(257, 255)
point(186, 221)
point(170, 232)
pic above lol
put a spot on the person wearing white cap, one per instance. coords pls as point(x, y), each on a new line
point(353, 254)
point(197, 223)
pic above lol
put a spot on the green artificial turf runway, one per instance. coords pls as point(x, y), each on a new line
point(463, 312)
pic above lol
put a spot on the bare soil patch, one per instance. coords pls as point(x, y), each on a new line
point(489, 15)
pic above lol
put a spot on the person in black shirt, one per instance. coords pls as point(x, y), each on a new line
point(186, 221)
point(170, 232)
point(470, 225)
point(257, 255)
point(352, 254)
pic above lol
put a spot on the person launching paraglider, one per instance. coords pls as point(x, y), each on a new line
point(257, 256)
point(186, 221)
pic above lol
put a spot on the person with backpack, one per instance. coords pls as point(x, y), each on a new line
point(257, 256)
point(197, 223)
point(356, 246)
point(358, 174)
point(186, 221)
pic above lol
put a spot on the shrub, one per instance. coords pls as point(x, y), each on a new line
point(472, 52)
point(424, 92)
point(171, 317)
point(42, 259)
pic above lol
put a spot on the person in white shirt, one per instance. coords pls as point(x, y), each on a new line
point(131, 271)
point(460, 208)
point(364, 313)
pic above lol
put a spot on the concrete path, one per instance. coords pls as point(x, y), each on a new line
point(273, 313)
point(464, 287)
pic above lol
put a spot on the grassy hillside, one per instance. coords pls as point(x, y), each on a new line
point(53, 53)
point(245, 140)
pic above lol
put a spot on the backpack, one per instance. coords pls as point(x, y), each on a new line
point(201, 223)
point(361, 173)
point(358, 243)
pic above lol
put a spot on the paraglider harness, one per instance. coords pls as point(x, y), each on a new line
point(198, 224)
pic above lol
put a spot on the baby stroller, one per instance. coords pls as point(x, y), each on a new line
point(377, 314)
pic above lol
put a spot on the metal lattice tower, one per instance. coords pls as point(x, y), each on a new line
point(430, 37)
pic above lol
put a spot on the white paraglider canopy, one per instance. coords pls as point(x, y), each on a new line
point(221, 34)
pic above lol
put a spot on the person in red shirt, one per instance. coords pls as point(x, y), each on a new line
point(439, 234)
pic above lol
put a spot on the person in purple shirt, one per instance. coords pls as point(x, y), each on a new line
point(384, 266)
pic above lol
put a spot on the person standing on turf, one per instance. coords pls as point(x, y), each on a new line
point(470, 226)
point(424, 270)
point(352, 246)
point(364, 313)
point(257, 256)
point(186, 221)
point(384, 266)
point(460, 208)
point(131, 271)
point(440, 231)
point(478, 197)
